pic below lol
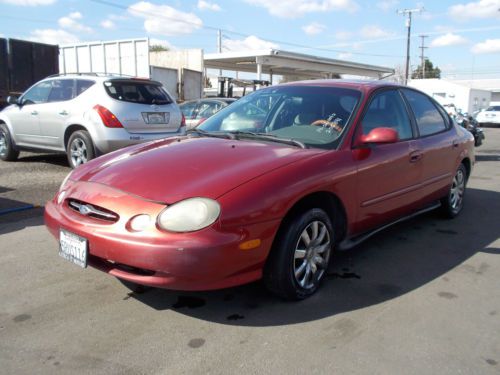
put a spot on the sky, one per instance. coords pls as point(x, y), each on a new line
point(463, 38)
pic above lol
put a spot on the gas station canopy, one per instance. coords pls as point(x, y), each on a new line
point(284, 63)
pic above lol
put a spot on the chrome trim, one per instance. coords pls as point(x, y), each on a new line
point(87, 209)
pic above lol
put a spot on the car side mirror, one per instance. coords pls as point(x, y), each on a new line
point(380, 135)
point(13, 100)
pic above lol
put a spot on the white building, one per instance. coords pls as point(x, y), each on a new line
point(464, 97)
point(492, 85)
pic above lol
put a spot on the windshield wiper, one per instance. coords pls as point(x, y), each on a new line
point(268, 137)
point(204, 133)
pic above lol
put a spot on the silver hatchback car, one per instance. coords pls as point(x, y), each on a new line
point(87, 115)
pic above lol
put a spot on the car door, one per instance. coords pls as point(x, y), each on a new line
point(388, 175)
point(54, 114)
point(24, 117)
point(437, 141)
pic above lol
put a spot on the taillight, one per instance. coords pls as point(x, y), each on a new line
point(183, 120)
point(108, 118)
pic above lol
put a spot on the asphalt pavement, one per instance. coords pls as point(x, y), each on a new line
point(419, 298)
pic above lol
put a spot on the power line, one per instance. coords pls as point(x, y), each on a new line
point(214, 28)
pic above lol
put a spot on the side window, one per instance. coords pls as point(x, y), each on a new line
point(388, 110)
point(38, 93)
point(188, 109)
point(429, 119)
point(62, 90)
point(82, 85)
point(208, 109)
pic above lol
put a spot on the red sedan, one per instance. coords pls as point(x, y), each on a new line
point(266, 188)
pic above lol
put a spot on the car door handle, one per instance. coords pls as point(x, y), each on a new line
point(34, 113)
point(63, 113)
point(455, 144)
point(416, 156)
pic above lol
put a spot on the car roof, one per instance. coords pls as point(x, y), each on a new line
point(363, 85)
point(97, 77)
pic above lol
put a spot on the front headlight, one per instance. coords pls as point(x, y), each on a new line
point(189, 215)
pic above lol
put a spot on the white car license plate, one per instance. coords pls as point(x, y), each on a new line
point(72, 247)
point(158, 118)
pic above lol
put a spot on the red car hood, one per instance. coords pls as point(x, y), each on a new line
point(174, 169)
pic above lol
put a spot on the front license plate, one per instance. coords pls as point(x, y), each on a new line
point(72, 247)
point(158, 118)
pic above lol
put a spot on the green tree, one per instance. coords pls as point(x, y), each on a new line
point(157, 48)
point(430, 71)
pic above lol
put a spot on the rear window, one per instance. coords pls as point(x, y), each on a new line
point(137, 92)
point(494, 108)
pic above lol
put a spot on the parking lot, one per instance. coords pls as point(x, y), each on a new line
point(419, 298)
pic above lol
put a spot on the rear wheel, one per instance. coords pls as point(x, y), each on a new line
point(7, 150)
point(300, 257)
point(80, 148)
point(453, 203)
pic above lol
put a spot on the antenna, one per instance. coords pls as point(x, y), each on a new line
point(408, 13)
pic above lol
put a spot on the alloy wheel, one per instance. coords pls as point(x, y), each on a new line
point(457, 190)
point(3, 143)
point(311, 254)
point(78, 152)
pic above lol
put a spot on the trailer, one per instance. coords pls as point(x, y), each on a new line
point(129, 57)
point(23, 63)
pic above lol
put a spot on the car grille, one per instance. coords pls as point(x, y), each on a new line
point(93, 211)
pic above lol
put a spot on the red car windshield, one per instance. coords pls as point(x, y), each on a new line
point(315, 116)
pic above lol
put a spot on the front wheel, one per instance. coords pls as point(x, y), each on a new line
point(80, 148)
point(300, 256)
point(7, 150)
point(453, 203)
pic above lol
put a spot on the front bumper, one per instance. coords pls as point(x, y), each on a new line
point(207, 259)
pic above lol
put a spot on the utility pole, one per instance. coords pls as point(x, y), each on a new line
point(422, 57)
point(408, 13)
point(219, 46)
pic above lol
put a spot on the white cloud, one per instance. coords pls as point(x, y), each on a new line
point(388, 5)
point(108, 24)
point(478, 9)
point(70, 22)
point(205, 5)
point(298, 8)
point(488, 46)
point(250, 43)
point(314, 28)
point(448, 39)
point(344, 55)
point(29, 3)
point(343, 35)
point(374, 32)
point(165, 20)
point(52, 36)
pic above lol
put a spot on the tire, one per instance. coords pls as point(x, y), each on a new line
point(478, 142)
point(452, 204)
point(7, 150)
point(300, 256)
point(80, 148)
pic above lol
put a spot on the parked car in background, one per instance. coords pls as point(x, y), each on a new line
point(267, 188)
point(490, 115)
point(87, 116)
point(197, 111)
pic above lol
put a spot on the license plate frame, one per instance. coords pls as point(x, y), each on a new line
point(73, 248)
point(157, 118)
